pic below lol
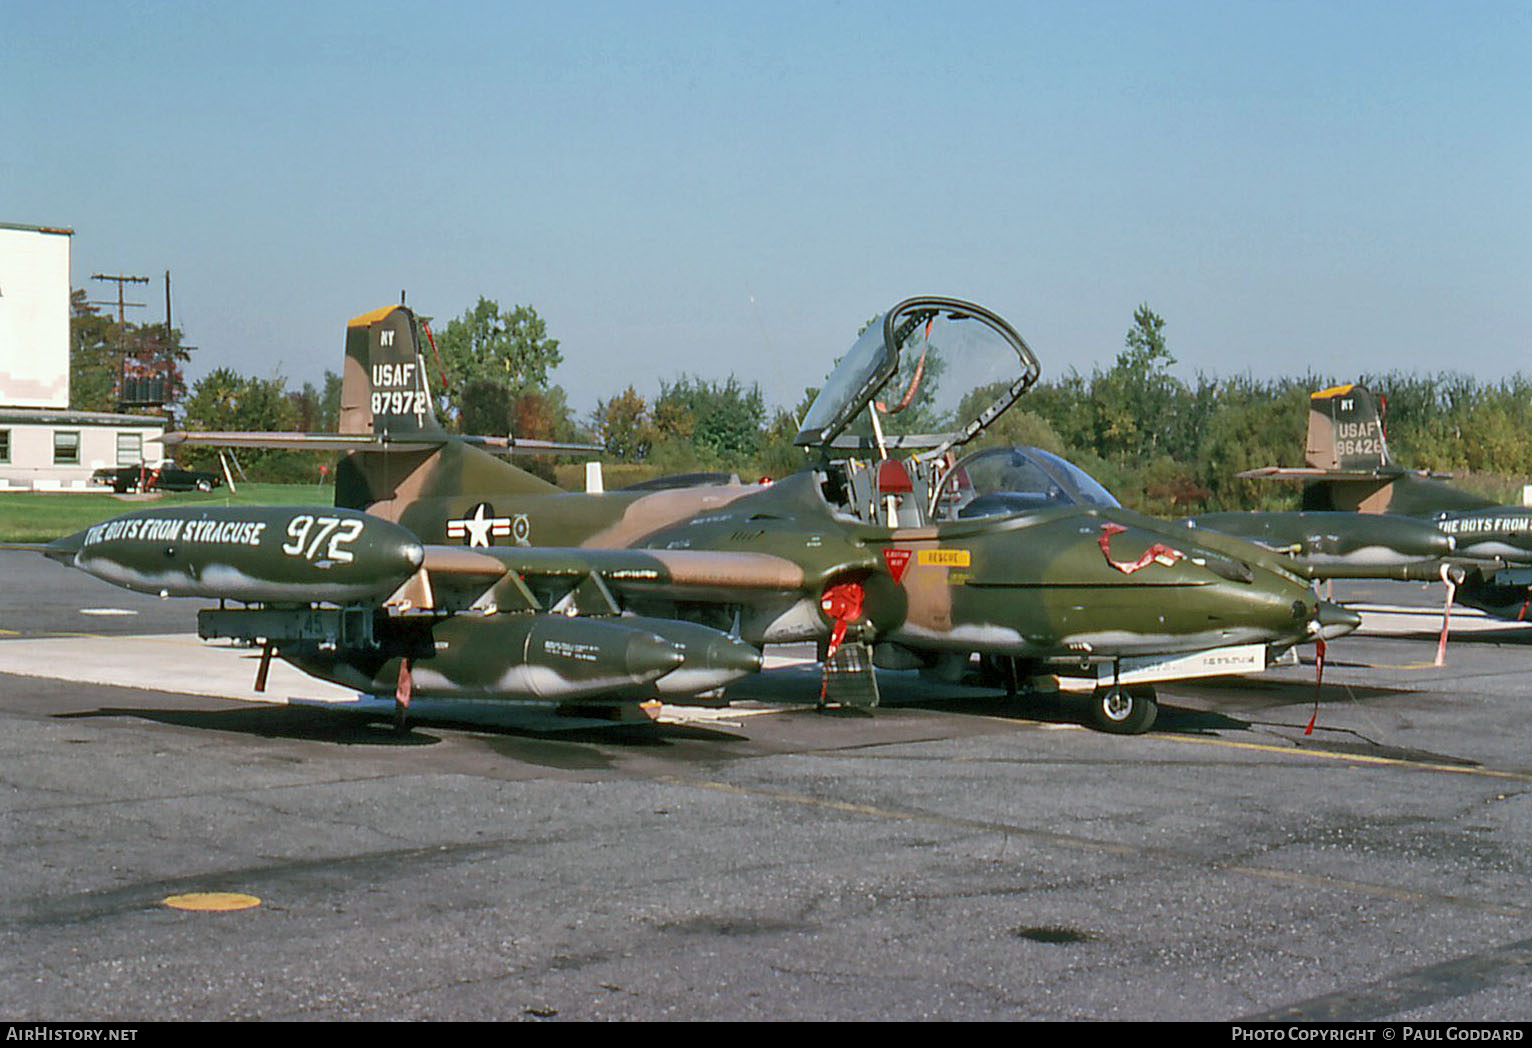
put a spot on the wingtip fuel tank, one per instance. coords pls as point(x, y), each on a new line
point(251, 554)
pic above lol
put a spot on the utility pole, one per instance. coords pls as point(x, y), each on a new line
point(122, 323)
point(167, 357)
point(122, 306)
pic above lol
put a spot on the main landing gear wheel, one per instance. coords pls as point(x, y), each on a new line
point(1120, 710)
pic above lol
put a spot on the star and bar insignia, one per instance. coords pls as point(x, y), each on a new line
point(479, 526)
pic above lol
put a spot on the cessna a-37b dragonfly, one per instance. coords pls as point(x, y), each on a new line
point(1350, 474)
point(443, 572)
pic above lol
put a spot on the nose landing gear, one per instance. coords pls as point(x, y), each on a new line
point(1120, 709)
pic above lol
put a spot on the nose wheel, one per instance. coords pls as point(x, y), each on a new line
point(1120, 710)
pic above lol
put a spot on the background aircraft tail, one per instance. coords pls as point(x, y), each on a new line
point(1346, 431)
point(1349, 466)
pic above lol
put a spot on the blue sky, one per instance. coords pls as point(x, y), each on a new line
point(734, 188)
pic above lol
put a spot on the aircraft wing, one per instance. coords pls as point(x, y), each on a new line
point(584, 581)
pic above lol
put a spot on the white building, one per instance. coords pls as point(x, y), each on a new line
point(43, 445)
point(43, 450)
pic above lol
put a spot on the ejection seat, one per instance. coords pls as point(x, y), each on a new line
point(886, 492)
point(904, 506)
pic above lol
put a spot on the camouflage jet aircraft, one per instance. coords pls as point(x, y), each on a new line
point(445, 572)
point(1351, 472)
point(1315, 545)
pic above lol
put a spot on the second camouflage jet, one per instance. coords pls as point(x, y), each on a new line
point(1350, 471)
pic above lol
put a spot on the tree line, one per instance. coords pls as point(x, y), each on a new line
point(1163, 445)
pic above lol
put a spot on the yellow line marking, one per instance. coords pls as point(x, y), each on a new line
point(1404, 666)
point(212, 902)
point(1336, 755)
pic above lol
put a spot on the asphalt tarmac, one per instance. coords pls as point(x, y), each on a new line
point(955, 856)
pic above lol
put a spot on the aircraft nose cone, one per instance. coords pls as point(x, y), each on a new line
point(1333, 620)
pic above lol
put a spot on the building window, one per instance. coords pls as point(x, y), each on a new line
point(5, 445)
point(66, 447)
point(130, 449)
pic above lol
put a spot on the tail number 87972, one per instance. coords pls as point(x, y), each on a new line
point(399, 402)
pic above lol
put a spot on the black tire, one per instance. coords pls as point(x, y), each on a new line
point(1122, 710)
point(204, 485)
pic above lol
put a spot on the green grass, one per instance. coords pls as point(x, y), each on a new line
point(45, 516)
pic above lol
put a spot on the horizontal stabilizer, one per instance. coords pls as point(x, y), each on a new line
point(1314, 473)
point(302, 441)
point(368, 442)
point(531, 446)
point(1311, 473)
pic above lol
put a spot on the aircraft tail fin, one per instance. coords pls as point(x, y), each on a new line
point(1346, 431)
point(384, 392)
point(396, 448)
point(386, 396)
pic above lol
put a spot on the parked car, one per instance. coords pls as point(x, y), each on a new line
point(165, 477)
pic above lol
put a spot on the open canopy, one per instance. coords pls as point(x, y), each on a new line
point(936, 371)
